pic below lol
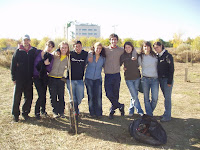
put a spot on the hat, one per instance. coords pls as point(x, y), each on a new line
point(26, 37)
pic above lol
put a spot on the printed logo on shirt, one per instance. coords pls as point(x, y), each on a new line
point(78, 60)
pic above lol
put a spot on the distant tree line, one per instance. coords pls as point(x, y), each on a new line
point(194, 44)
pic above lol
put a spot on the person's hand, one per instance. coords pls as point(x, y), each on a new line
point(124, 69)
point(133, 58)
point(14, 82)
point(169, 85)
point(90, 56)
point(46, 62)
point(90, 59)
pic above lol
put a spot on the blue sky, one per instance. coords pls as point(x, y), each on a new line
point(137, 19)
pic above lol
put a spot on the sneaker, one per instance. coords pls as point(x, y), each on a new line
point(141, 114)
point(62, 115)
point(98, 117)
point(16, 118)
point(26, 117)
point(55, 115)
point(122, 110)
point(111, 115)
point(130, 115)
point(44, 114)
point(38, 117)
point(164, 120)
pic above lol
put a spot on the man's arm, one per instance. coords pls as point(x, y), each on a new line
point(13, 66)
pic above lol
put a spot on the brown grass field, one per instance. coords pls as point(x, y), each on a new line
point(183, 130)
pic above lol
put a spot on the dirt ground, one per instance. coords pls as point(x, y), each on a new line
point(183, 130)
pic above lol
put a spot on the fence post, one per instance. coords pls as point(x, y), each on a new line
point(186, 74)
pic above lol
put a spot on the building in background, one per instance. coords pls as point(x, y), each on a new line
point(74, 30)
point(87, 30)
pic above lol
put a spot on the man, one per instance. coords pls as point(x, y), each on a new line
point(78, 58)
point(165, 76)
point(22, 73)
point(112, 75)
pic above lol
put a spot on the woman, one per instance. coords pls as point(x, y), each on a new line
point(93, 80)
point(165, 76)
point(42, 66)
point(56, 85)
point(148, 61)
point(132, 77)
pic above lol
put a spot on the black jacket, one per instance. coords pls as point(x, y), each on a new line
point(132, 72)
point(166, 67)
point(22, 64)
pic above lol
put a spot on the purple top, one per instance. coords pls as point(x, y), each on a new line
point(37, 60)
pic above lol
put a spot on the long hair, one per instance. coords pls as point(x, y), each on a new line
point(64, 43)
point(102, 51)
point(147, 43)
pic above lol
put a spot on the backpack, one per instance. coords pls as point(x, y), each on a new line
point(147, 130)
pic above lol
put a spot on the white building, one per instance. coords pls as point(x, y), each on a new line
point(87, 30)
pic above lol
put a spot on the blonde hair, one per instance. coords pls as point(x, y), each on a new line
point(64, 43)
point(98, 44)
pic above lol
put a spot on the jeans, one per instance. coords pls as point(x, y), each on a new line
point(94, 91)
point(133, 86)
point(56, 90)
point(167, 92)
point(77, 92)
point(112, 86)
point(153, 84)
point(25, 87)
point(41, 87)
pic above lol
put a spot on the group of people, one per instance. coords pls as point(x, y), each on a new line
point(46, 68)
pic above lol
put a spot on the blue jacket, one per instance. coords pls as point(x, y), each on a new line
point(94, 69)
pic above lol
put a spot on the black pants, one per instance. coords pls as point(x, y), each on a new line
point(56, 90)
point(25, 87)
point(41, 87)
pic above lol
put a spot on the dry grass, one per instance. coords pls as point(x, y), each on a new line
point(183, 131)
point(5, 58)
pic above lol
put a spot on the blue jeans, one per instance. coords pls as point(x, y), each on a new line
point(147, 84)
point(112, 86)
point(167, 92)
point(57, 90)
point(94, 91)
point(133, 86)
point(77, 92)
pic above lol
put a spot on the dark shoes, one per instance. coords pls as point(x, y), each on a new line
point(44, 114)
point(111, 115)
point(122, 110)
point(38, 117)
point(26, 117)
point(164, 120)
point(16, 118)
point(62, 116)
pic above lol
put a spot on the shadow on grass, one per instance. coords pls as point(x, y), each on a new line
point(182, 133)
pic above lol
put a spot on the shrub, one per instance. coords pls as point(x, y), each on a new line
point(5, 58)
point(196, 43)
point(182, 47)
point(193, 56)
